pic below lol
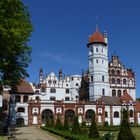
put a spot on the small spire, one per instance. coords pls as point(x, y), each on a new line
point(97, 23)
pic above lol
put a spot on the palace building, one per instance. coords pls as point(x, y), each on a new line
point(111, 88)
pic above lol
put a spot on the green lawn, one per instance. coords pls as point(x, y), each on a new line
point(136, 132)
point(2, 138)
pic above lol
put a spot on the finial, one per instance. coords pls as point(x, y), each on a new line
point(96, 23)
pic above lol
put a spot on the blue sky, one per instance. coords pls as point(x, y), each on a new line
point(62, 28)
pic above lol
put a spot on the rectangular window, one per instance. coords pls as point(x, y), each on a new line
point(103, 78)
point(96, 60)
point(103, 91)
point(91, 78)
point(96, 49)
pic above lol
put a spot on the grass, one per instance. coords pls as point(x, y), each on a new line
point(2, 138)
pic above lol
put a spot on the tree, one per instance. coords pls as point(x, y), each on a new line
point(66, 125)
point(58, 124)
point(15, 30)
point(84, 89)
point(93, 131)
point(125, 130)
point(76, 127)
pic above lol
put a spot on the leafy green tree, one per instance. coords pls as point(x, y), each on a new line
point(125, 130)
point(15, 30)
point(58, 124)
point(66, 125)
point(93, 131)
point(76, 127)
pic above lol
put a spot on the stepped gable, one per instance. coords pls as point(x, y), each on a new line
point(126, 97)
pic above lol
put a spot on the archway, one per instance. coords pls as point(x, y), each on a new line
point(69, 115)
point(46, 114)
point(89, 115)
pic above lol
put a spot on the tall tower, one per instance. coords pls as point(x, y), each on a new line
point(98, 65)
point(40, 75)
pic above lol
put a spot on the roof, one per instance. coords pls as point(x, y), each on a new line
point(24, 87)
point(126, 97)
point(97, 37)
point(110, 100)
point(130, 74)
point(138, 106)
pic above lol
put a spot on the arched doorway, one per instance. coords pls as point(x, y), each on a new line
point(69, 115)
point(89, 115)
point(46, 114)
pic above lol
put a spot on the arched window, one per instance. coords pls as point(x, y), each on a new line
point(106, 114)
point(52, 90)
point(103, 78)
point(113, 72)
point(21, 109)
point(116, 114)
point(118, 81)
point(113, 80)
point(119, 93)
point(103, 91)
point(131, 113)
point(47, 114)
point(124, 81)
point(89, 115)
point(113, 93)
point(118, 72)
point(69, 114)
point(25, 98)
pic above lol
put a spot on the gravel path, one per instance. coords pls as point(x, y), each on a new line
point(32, 133)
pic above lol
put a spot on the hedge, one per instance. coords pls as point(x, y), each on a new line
point(67, 134)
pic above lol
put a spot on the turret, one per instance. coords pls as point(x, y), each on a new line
point(98, 65)
point(40, 75)
point(60, 74)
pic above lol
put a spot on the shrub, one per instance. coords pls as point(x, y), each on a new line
point(93, 131)
point(83, 124)
point(76, 126)
point(106, 124)
point(47, 122)
point(58, 124)
point(125, 130)
point(108, 136)
point(66, 125)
